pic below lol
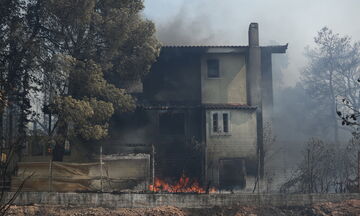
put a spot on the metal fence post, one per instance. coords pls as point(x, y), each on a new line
point(358, 171)
point(50, 176)
point(101, 169)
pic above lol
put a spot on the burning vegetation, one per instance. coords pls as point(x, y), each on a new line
point(183, 185)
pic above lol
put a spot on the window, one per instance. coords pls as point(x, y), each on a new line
point(213, 68)
point(215, 123)
point(172, 123)
point(220, 123)
point(226, 122)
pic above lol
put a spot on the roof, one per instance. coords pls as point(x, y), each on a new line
point(167, 106)
point(275, 49)
point(205, 106)
point(271, 49)
point(229, 106)
point(203, 46)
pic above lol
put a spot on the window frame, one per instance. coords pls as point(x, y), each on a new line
point(220, 123)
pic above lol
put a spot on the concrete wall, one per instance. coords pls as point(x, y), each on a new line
point(178, 200)
point(241, 143)
point(230, 87)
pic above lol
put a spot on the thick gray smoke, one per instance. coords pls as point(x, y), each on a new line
point(181, 31)
point(226, 22)
point(213, 22)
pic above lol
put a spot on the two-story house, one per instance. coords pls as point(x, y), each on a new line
point(201, 112)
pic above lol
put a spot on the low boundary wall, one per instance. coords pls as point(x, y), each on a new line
point(138, 200)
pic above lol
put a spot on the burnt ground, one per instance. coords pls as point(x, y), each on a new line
point(345, 208)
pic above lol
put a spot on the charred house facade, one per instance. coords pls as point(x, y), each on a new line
point(201, 111)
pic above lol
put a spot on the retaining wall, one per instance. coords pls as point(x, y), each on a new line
point(132, 200)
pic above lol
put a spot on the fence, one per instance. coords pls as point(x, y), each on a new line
point(116, 174)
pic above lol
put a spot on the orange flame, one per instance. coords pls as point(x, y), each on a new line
point(184, 185)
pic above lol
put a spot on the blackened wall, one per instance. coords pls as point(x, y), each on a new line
point(179, 153)
point(175, 153)
point(175, 77)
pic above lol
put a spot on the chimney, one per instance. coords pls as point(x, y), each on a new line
point(254, 67)
point(254, 87)
point(254, 35)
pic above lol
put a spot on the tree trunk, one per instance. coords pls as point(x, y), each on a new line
point(336, 131)
point(58, 152)
point(333, 106)
point(59, 149)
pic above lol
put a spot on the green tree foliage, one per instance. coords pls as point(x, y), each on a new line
point(109, 32)
point(88, 116)
point(89, 76)
point(78, 54)
point(96, 45)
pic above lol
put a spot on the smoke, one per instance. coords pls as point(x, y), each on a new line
point(182, 31)
point(226, 23)
point(210, 22)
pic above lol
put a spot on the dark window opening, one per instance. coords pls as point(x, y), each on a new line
point(215, 123)
point(172, 123)
point(213, 68)
point(232, 174)
point(226, 122)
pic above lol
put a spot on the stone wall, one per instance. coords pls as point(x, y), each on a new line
point(131, 200)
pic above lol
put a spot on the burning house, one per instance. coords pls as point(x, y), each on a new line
point(199, 119)
point(201, 110)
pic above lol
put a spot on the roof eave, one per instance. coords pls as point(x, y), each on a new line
point(276, 48)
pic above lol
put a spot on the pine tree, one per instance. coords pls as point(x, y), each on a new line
point(99, 44)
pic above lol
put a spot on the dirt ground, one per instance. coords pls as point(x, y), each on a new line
point(346, 208)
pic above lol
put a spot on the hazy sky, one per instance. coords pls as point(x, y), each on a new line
point(226, 22)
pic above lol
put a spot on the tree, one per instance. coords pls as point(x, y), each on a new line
point(19, 55)
point(271, 150)
point(332, 73)
point(19, 52)
point(78, 54)
point(291, 123)
point(349, 114)
point(102, 44)
point(324, 168)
